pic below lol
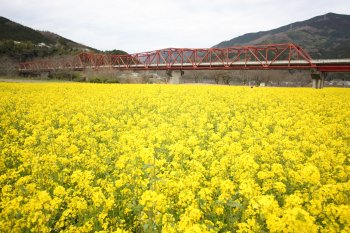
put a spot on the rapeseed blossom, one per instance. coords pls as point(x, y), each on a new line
point(162, 158)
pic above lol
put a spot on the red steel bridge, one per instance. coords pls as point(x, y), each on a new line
point(258, 57)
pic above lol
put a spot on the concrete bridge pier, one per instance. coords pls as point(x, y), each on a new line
point(318, 79)
point(44, 75)
point(176, 76)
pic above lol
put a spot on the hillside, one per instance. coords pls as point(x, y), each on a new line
point(13, 31)
point(325, 36)
point(20, 43)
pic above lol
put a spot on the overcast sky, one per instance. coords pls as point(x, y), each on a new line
point(144, 25)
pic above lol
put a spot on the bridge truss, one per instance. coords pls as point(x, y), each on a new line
point(259, 57)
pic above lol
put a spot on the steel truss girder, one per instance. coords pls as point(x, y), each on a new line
point(258, 57)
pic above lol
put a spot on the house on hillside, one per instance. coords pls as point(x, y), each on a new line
point(42, 44)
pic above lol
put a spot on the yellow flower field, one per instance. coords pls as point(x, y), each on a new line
point(163, 158)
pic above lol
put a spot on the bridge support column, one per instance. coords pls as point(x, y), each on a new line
point(318, 79)
point(323, 78)
point(44, 75)
point(176, 77)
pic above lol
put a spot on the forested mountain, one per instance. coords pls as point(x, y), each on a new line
point(325, 36)
point(21, 43)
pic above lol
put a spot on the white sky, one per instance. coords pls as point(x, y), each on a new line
point(138, 26)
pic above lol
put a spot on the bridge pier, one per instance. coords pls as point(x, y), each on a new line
point(318, 79)
point(176, 76)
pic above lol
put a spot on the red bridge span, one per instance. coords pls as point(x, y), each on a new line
point(258, 57)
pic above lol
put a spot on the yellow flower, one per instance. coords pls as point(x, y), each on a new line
point(173, 158)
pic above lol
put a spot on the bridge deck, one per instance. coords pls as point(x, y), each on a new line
point(332, 65)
